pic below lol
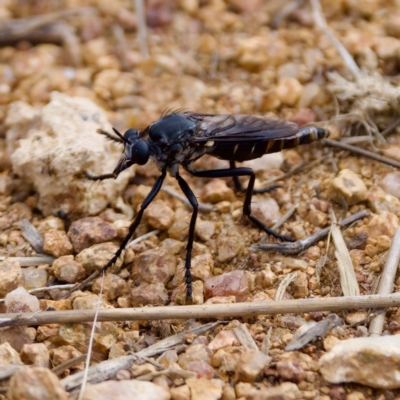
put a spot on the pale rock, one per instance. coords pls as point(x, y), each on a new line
point(171, 246)
point(19, 300)
point(143, 369)
point(228, 247)
point(58, 305)
point(56, 243)
point(168, 358)
point(204, 389)
point(89, 302)
point(10, 277)
point(97, 256)
point(159, 215)
point(330, 341)
point(356, 317)
point(89, 231)
point(180, 393)
point(18, 336)
point(221, 300)
point(62, 145)
point(155, 266)
point(288, 91)
point(180, 226)
point(266, 210)
point(370, 361)
point(205, 229)
point(201, 268)
point(34, 278)
point(294, 264)
point(352, 163)
point(298, 231)
point(290, 370)
point(64, 353)
point(382, 223)
point(50, 222)
point(8, 355)
point(67, 270)
point(223, 339)
point(391, 184)
point(35, 354)
point(113, 286)
point(299, 286)
point(232, 283)
point(227, 359)
point(126, 390)
point(216, 191)
point(195, 353)
point(266, 278)
point(36, 383)
point(285, 391)
point(267, 161)
point(317, 218)
point(349, 186)
point(250, 365)
point(380, 200)
point(149, 294)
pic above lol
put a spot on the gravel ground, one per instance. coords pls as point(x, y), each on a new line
point(66, 72)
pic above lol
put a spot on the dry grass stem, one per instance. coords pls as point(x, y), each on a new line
point(142, 27)
point(366, 153)
point(30, 261)
point(47, 288)
point(348, 279)
point(244, 337)
point(387, 282)
point(301, 245)
point(108, 369)
point(320, 22)
point(284, 284)
point(246, 309)
point(141, 238)
point(172, 192)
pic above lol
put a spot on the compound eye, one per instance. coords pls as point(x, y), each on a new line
point(140, 152)
point(131, 135)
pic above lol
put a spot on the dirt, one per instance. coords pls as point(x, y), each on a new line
point(221, 57)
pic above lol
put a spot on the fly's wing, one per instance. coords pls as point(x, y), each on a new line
point(240, 127)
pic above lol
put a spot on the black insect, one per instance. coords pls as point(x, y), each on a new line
point(180, 138)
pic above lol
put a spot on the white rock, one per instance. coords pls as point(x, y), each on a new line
point(126, 390)
point(371, 361)
point(57, 150)
point(19, 300)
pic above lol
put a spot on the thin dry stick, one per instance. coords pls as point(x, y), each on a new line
point(108, 369)
point(301, 245)
point(284, 284)
point(387, 281)
point(142, 28)
point(348, 279)
point(204, 311)
point(91, 340)
point(366, 153)
point(30, 261)
point(202, 206)
point(141, 238)
point(295, 170)
point(46, 289)
point(320, 22)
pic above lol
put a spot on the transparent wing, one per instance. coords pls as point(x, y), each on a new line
point(240, 127)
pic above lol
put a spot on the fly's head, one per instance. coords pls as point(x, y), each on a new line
point(136, 150)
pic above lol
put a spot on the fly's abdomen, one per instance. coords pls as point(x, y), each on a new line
point(305, 135)
point(249, 150)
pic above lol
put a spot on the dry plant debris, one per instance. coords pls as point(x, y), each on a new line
point(66, 72)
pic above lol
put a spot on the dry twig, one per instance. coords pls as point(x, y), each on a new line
point(301, 245)
point(244, 337)
point(387, 281)
point(219, 311)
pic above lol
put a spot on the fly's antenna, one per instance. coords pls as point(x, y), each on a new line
point(119, 135)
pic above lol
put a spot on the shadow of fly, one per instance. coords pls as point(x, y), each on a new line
point(180, 138)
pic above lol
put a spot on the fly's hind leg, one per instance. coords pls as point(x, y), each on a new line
point(239, 187)
point(237, 172)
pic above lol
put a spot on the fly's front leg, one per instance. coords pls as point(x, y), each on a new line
point(150, 197)
point(237, 172)
point(239, 187)
point(189, 247)
point(98, 177)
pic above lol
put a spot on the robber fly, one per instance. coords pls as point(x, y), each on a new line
point(180, 138)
